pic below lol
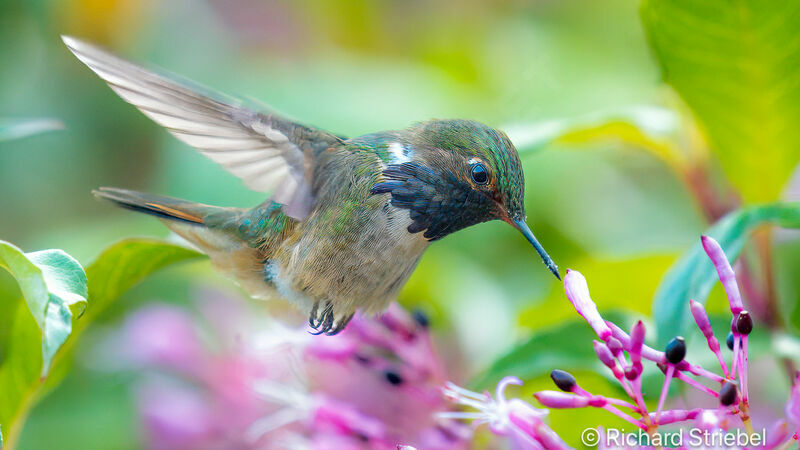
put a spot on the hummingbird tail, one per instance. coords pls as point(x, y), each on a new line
point(210, 229)
point(156, 205)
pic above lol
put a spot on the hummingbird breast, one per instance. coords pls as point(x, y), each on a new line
point(354, 249)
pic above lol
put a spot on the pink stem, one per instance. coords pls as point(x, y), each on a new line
point(735, 360)
point(637, 389)
point(743, 370)
point(664, 389)
point(691, 382)
point(625, 417)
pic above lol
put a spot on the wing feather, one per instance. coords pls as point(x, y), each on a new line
point(268, 153)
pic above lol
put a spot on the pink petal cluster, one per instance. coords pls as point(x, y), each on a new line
point(516, 419)
point(624, 354)
point(245, 381)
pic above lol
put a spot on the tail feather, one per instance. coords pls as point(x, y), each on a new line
point(156, 205)
point(211, 229)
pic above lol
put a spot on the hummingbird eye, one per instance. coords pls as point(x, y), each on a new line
point(479, 173)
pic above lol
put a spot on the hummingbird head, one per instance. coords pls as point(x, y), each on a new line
point(451, 174)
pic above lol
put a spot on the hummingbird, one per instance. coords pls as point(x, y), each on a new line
point(347, 220)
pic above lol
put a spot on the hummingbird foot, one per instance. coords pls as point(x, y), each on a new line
point(325, 321)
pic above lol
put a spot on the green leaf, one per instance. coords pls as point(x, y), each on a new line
point(11, 129)
point(650, 128)
point(126, 263)
point(567, 346)
point(52, 273)
point(112, 273)
point(693, 275)
point(735, 65)
point(54, 287)
point(54, 291)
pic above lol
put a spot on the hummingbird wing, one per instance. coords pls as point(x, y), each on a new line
point(270, 153)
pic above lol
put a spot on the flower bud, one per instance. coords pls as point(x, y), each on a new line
point(558, 400)
point(563, 380)
point(676, 350)
point(728, 394)
point(578, 294)
point(393, 377)
point(421, 318)
point(603, 354)
point(744, 323)
point(615, 346)
point(724, 271)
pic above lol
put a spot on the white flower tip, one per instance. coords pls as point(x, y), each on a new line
point(575, 285)
point(503, 384)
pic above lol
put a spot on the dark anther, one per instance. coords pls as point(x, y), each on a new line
point(393, 377)
point(676, 350)
point(421, 318)
point(744, 323)
point(728, 394)
point(729, 341)
point(564, 380)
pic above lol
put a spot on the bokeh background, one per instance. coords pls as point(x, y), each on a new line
point(619, 215)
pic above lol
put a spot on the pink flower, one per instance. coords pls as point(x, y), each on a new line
point(578, 294)
point(251, 381)
point(724, 271)
point(515, 419)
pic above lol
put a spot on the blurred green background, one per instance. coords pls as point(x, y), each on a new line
point(618, 215)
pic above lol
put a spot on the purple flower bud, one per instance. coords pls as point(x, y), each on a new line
point(561, 400)
point(701, 318)
point(604, 354)
point(729, 394)
point(421, 318)
point(578, 294)
point(725, 273)
point(563, 380)
point(677, 415)
point(615, 346)
point(647, 352)
point(676, 350)
point(393, 378)
point(744, 323)
point(635, 350)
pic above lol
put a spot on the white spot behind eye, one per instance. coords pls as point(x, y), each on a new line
point(399, 152)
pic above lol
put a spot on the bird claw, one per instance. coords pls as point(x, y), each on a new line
point(325, 321)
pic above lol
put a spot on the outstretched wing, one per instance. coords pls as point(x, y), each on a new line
point(269, 153)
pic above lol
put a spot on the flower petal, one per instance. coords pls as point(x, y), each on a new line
point(578, 294)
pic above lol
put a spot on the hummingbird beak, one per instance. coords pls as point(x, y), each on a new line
point(523, 228)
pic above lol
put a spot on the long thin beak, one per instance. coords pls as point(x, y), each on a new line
point(523, 228)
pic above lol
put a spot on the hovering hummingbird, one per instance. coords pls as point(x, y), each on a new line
point(348, 219)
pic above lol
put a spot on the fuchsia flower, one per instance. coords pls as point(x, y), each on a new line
point(624, 354)
point(247, 381)
point(516, 419)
